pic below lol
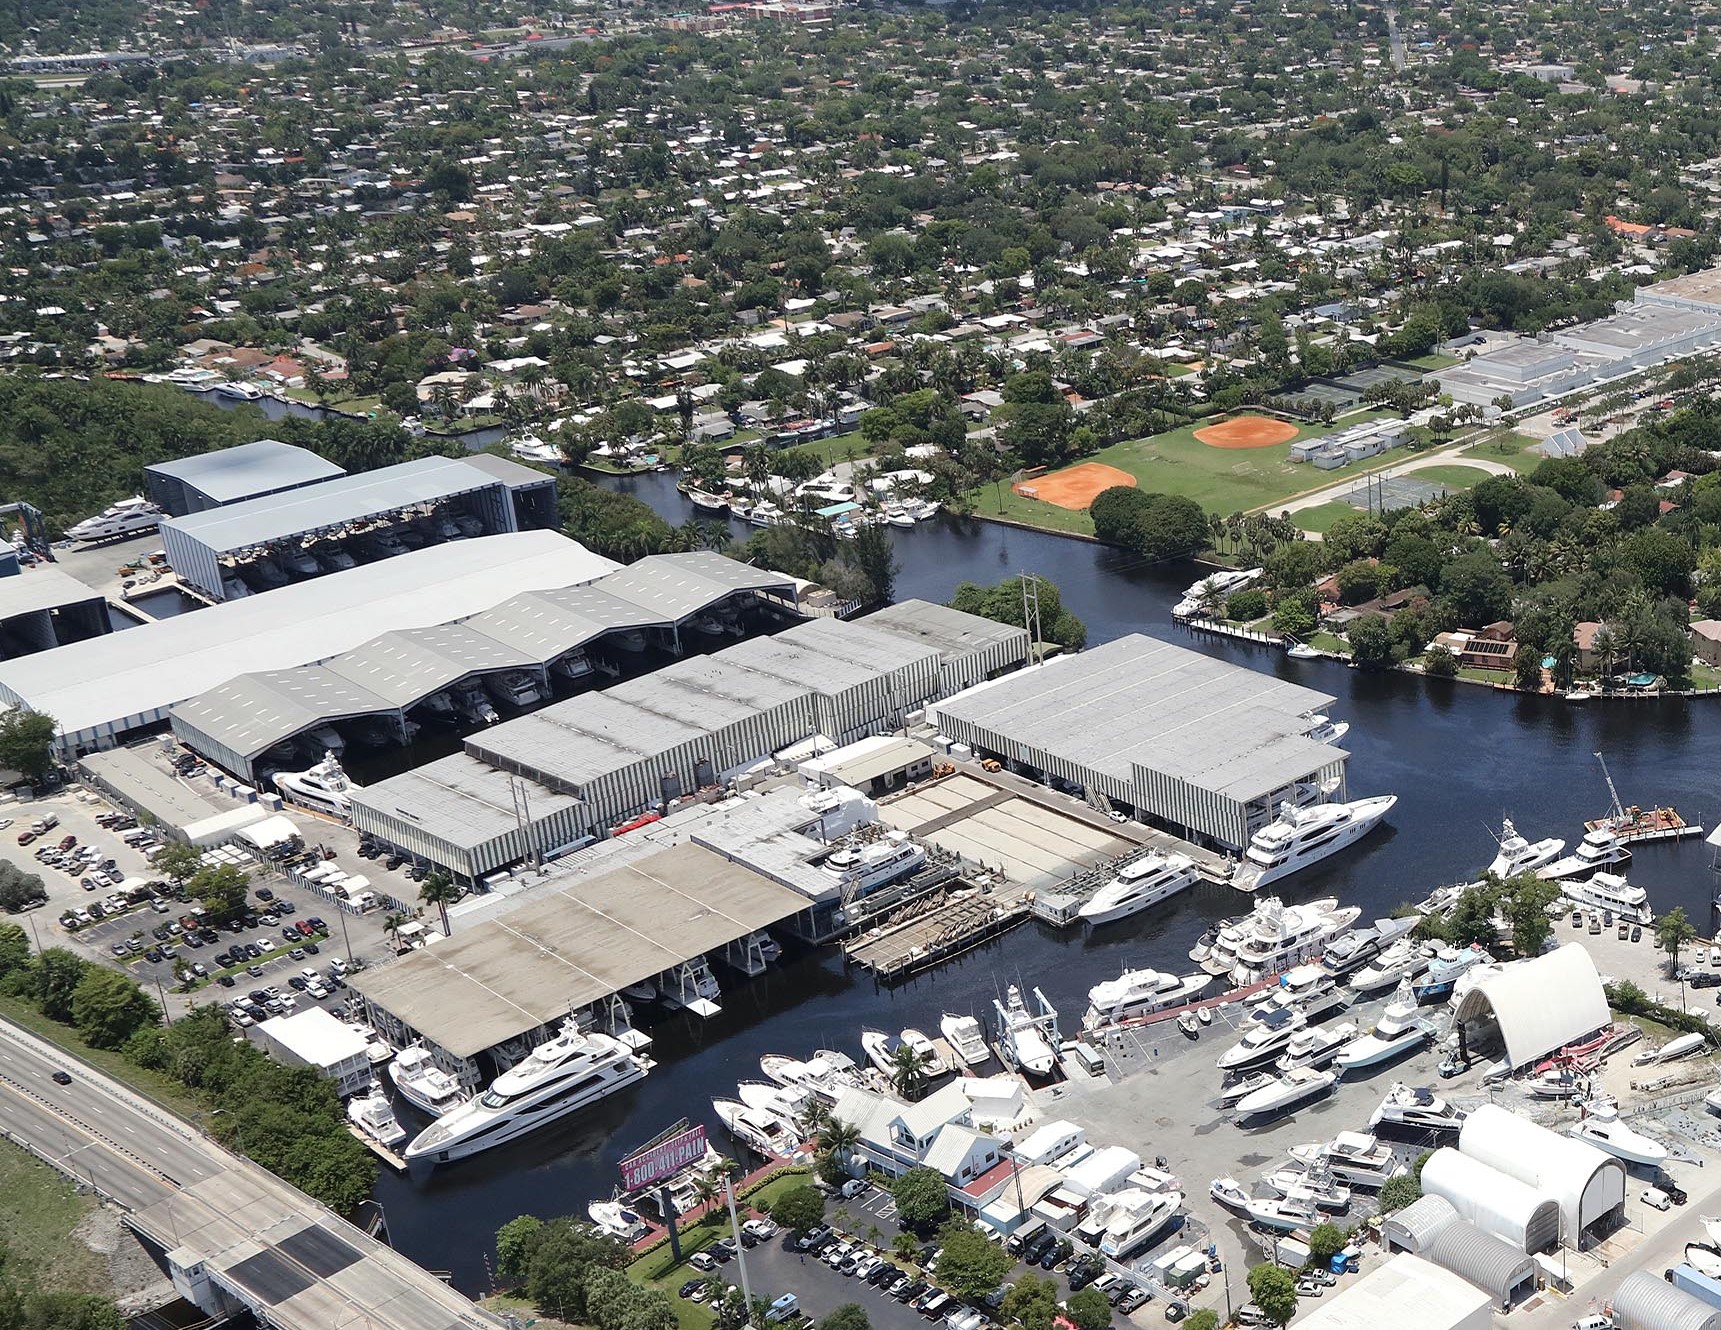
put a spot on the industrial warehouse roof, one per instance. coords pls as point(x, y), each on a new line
point(41, 588)
point(250, 468)
point(1643, 1302)
point(138, 674)
point(1540, 1004)
point(679, 586)
point(574, 944)
point(252, 713)
point(1407, 1293)
point(464, 801)
point(1138, 701)
point(954, 633)
point(847, 652)
point(333, 504)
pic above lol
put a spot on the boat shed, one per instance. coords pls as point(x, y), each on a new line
point(1434, 1230)
point(573, 944)
point(202, 547)
point(1588, 1184)
point(232, 475)
point(971, 649)
point(1535, 1007)
point(1643, 1302)
point(1406, 1293)
point(42, 608)
point(1508, 1209)
point(101, 689)
point(1188, 743)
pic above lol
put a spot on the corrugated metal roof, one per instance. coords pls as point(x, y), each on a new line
point(460, 800)
point(953, 632)
point(42, 588)
point(1414, 1227)
point(550, 623)
point(1480, 1259)
point(1644, 1302)
point(408, 666)
point(250, 468)
point(256, 711)
point(677, 586)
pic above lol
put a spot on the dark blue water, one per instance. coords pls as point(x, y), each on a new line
point(1459, 757)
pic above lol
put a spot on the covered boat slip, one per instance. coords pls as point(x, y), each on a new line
point(572, 945)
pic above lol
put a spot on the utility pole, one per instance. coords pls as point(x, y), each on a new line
point(740, 1250)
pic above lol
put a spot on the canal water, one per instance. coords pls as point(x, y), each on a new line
point(1459, 757)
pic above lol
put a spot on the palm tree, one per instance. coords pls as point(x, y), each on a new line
point(392, 924)
point(907, 1071)
point(438, 889)
point(839, 1138)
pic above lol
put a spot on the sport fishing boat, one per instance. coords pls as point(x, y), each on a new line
point(1398, 1030)
point(1276, 936)
point(1403, 960)
point(1139, 993)
point(1518, 855)
point(1326, 730)
point(324, 787)
point(1297, 1086)
point(1020, 1037)
point(570, 1072)
point(1601, 1127)
point(1609, 891)
point(1444, 972)
point(373, 1115)
point(966, 1039)
point(1263, 1042)
point(1417, 1109)
point(423, 1084)
point(1302, 836)
point(1598, 849)
point(1228, 1192)
point(1153, 878)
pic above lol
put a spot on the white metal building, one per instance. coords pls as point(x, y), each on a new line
point(231, 475)
point(1195, 745)
point(1533, 1007)
point(102, 689)
point(971, 650)
point(42, 608)
point(1500, 1205)
point(315, 1039)
point(1588, 1184)
point(1406, 1293)
point(1644, 1302)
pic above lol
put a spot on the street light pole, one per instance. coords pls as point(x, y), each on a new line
point(740, 1250)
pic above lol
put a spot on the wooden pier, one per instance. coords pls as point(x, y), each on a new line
point(378, 1149)
point(938, 931)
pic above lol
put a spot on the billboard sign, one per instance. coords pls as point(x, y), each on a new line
point(666, 1158)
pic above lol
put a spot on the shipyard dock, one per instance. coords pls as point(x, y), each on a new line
point(937, 929)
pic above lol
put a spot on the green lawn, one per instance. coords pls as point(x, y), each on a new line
point(838, 448)
point(1433, 360)
point(1454, 477)
point(1508, 448)
point(1705, 676)
point(36, 1221)
point(1322, 518)
point(1324, 641)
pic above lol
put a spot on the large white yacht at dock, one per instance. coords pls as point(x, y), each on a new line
point(423, 1084)
point(560, 1077)
point(323, 787)
point(1139, 993)
point(1273, 937)
point(1153, 878)
point(1302, 836)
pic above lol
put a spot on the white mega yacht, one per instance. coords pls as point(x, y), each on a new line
point(1398, 1031)
point(1609, 891)
point(1518, 855)
point(125, 518)
point(1299, 837)
point(1403, 960)
point(1149, 880)
point(1274, 937)
point(1597, 850)
point(560, 1077)
point(324, 787)
point(1137, 993)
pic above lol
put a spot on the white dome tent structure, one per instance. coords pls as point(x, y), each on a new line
point(1517, 1214)
point(1535, 1007)
point(1588, 1185)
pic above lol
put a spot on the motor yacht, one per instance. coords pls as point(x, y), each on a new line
point(1601, 1127)
point(863, 868)
point(1274, 937)
point(1299, 837)
point(966, 1039)
point(761, 1129)
point(1609, 891)
point(125, 518)
point(1138, 993)
point(518, 688)
point(1307, 988)
point(1286, 1212)
point(707, 502)
point(1302, 651)
point(1598, 849)
point(1518, 855)
point(423, 1084)
point(1021, 1038)
point(575, 665)
point(324, 787)
point(689, 983)
point(1316, 1047)
point(1263, 1042)
point(473, 706)
point(792, 1103)
point(1312, 1182)
point(1558, 1083)
point(1214, 585)
point(1398, 1031)
point(1146, 881)
point(373, 1115)
point(1326, 730)
point(1297, 1086)
point(1416, 1108)
point(1444, 971)
point(878, 1047)
point(1138, 1220)
point(615, 1219)
point(1351, 951)
point(931, 1064)
point(1244, 1086)
point(1404, 959)
point(439, 707)
point(240, 391)
point(1351, 1156)
point(560, 1077)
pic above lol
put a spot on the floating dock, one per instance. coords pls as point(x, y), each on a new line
point(935, 931)
point(378, 1149)
point(1646, 824)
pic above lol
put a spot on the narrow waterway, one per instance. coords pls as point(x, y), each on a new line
point(1459, 757)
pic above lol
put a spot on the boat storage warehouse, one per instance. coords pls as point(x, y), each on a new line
point(1198, 746)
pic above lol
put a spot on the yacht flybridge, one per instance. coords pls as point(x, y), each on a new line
point(1302, 836)
point(1147, 881)
point(1139, 993)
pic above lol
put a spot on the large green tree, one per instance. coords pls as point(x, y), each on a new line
point(1274, 1291)
point(799, 1209)
point(27, 742)
point(108, 1007)
point(921, 1200)
point(970, 1264)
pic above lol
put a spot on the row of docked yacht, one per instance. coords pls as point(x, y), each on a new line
point(1272, 938)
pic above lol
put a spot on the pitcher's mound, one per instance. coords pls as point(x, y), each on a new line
point(1075, 486)
point(1247, 432)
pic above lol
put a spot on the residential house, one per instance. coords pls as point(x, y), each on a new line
point(1706, 641)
